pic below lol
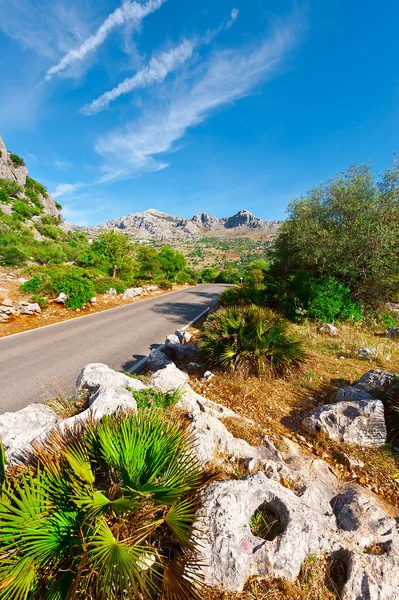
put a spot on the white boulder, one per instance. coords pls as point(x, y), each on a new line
point(131, 293)
point(354, 422)
point(169, 379)
point(62, 298)
point(19, 429)
point(327, 329)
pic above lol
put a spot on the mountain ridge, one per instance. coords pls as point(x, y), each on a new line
point(153, 224)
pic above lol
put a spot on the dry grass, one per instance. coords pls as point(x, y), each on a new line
point(321, 578)
point(278, 406)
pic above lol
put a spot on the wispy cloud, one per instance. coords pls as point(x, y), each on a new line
point(233, 18)
point(133, 12)
point(229, 76)
point(155, 72)
point(66, 188)
point(158, 68)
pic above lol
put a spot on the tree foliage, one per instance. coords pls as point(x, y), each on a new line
point(347, 228)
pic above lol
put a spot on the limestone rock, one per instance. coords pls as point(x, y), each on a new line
point(365, 353)
point(19, 429)
point(327, 329)
point(62, 298)
point(151, 288)
point(169, 379)
point(157, 360)
point(232, 553)
point(7, 302)
point(3, 318)
point(112, 292)
point(131, 293)
point(356, 422)
point(108, 389)
point(378, 380)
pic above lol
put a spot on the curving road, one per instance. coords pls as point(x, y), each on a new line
point(41, 363)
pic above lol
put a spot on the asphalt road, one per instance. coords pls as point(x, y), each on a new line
point(37, 364)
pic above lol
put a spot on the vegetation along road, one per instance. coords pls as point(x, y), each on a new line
point(41, 363)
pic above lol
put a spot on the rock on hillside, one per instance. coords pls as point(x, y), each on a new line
point(7, 168)
point(160, 226)
point(38, 202)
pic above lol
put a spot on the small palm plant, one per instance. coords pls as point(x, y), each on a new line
point(104, 512)
point(250, 339)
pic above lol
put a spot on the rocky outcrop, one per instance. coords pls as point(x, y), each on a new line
point(358, 415)
point(358, 422)
point(8, 170)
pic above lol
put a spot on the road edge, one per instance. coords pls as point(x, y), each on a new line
point(142, 362)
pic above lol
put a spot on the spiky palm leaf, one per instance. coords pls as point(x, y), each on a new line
point(94, 504)
point(250, 338)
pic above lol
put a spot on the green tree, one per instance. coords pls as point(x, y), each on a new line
point(347, 228)
point(171, 261)
point(148, 262)
point(114, 252)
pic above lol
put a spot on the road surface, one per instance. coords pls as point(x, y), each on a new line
point(40, 363)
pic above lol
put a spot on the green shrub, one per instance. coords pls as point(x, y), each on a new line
point(73, 281)
point(42, 301)
point(50, 231)
point(34, 187)
point(321, 299)
point(78, 287)
point(250, 339)
point(183, 277)
point(152, 398)
point(11, 187)
point(35, 284)
point(240, 295)
point(4, 199)
point(58, 205)
point(95, 506)
point(24, 209)
point(51, 255)
point(388, 320)
point(164, 285)
point(13, 256)
point(103, 284)
point(16, 160)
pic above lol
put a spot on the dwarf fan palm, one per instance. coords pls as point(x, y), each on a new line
point(250, 338)
point(104, 512)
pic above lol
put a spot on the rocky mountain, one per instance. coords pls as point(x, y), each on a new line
point(23, 198)
point(160, 226)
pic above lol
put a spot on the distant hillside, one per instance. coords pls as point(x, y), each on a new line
point(158, 226)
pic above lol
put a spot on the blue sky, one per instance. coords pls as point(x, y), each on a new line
point(190, 106)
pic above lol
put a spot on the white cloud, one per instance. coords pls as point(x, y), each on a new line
point(155, 72)
point(229, 75)
point(133, 12)
point(66, 188)
point(233, 18)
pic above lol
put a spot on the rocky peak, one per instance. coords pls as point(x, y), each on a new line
point(242, 218)
point(204, 220)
